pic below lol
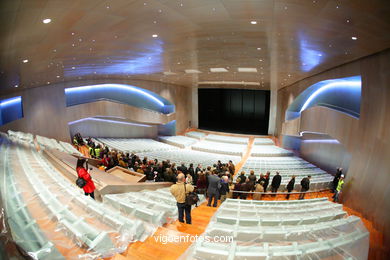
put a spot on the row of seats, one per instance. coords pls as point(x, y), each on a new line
point(263, 141)
point(296, 229)
point(50, 143)
point(219, 147)
point(190, 156)
point(269, 150)
point(227, 139)
point(196, 135)
point(26, 137)
point(25, 231)
point(156, 207)
point(353, 245)
point(135, 145)
point(178, 140)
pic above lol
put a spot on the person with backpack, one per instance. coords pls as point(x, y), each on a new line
point(84, 180)
point(181, 191)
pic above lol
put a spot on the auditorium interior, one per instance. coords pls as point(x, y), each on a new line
point(277, 109)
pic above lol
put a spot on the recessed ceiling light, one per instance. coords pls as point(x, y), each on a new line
point(258, 48)
point(16, 86)
point(58, 76)
point(47, 20)
point(253, 22)
point(218, 70)
point(354, 38)
point(247, 70)
point(25, 61)
point(169, 73)
point(154, 35)
point(191, 71)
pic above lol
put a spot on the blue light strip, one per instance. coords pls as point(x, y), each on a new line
point(106, 121)
point(326, 141)
point(344, 83)
point(10, 101)
point(117, 86)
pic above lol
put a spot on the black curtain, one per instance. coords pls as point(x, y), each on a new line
point(234, 110)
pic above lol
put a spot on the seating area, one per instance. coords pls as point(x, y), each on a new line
point(135, 145)
point(263, 141)
point(156, 207)
point(50, 143)
point(227, 139)
point(178, 140)
point(288, 166)
point(196, 135)
point(190, 156)
point(87, 224)
point(220, 147)
point(280, 230)
point(269, 150)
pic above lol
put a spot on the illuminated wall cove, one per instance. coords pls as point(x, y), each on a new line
point(11, 109)
point(126, 94)
point(342, 94)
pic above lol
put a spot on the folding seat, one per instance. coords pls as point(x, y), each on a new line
point(226, 220)
point(255, 221)
point(204, 250)
point(251, 252)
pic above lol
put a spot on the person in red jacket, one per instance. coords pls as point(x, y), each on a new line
point(82, 172)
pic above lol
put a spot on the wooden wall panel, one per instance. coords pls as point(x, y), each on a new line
point(45, 111)
point(367, 187)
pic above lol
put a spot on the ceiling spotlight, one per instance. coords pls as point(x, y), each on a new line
point(25, 61)
point(354, 38)
point(16, 86)
point(48, 20)
point(259, 49)
point(253, 22)
point(154, 35)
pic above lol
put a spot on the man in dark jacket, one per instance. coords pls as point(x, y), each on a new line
point(275, 184)
point(213, 188)
point(224, 190)
point(305, 183)
point(242, 177)
point(290, 186)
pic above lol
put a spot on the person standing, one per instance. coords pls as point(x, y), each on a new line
point(305, 183)
point(201, 183)
point(245, 188)
point(242, 177)
point(213, 188)
point(89, 187)
point(224, 190)
point(275, 184)
point(290, 186)
point(339, 187)
point(258, 190)
point(252, 180)
point(339, 172)
point(180, 191)
point(266, 181)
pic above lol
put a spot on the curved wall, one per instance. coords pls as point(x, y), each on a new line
point(45, 111)
point(367, 186)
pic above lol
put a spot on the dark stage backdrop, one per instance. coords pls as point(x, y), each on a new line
point(234, 110)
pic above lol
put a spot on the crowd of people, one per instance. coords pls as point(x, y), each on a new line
point(215, 182)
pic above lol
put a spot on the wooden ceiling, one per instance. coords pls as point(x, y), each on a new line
point(292, 39)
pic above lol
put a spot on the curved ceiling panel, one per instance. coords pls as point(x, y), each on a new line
point(342, 94)
point(126, 94)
